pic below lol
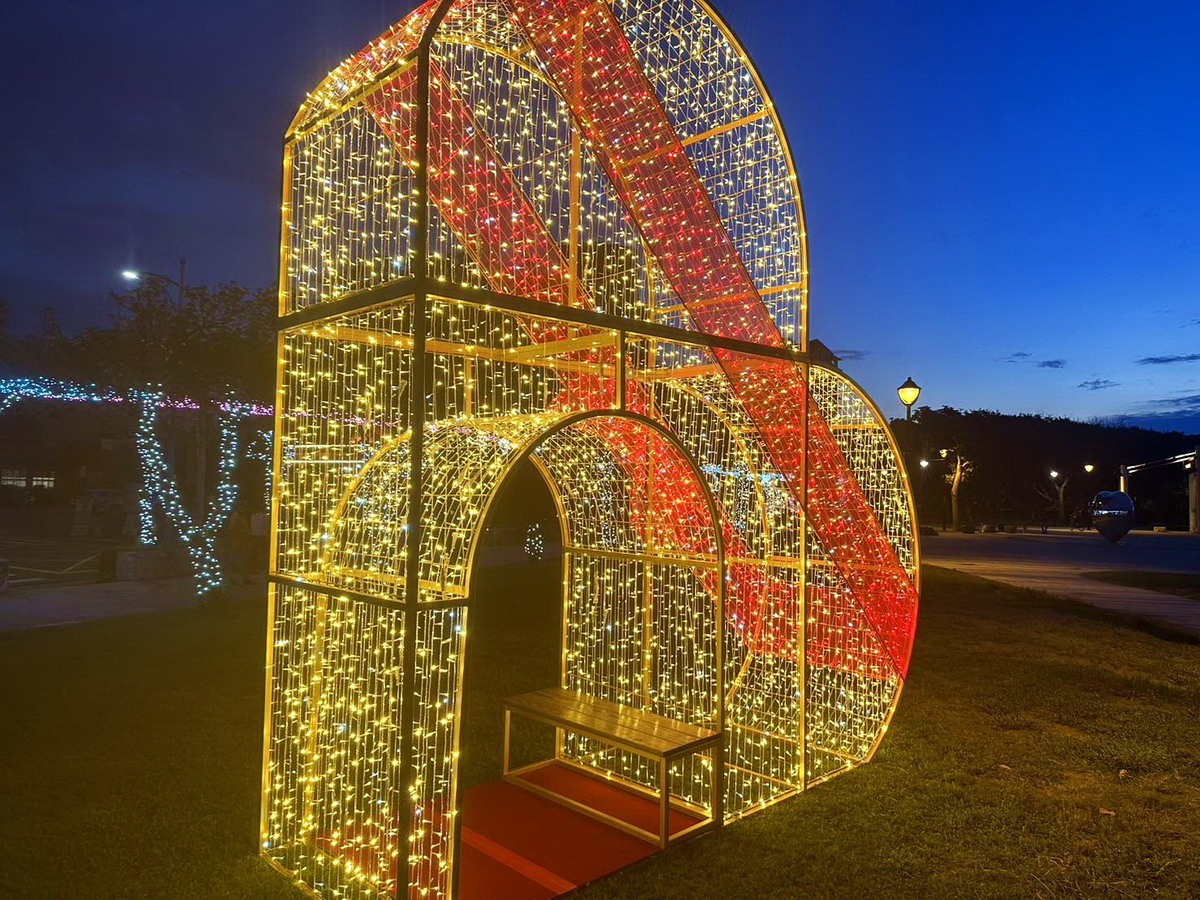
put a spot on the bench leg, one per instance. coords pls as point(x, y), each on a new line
point(504, 767)
point(664, 811)
point(718, 785)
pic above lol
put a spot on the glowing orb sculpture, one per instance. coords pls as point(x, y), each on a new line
point(568, 232)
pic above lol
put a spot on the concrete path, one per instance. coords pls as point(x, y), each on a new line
point(1053, 563)
point(46, 607)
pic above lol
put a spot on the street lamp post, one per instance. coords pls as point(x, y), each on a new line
point(908, 393)
point(135, 275)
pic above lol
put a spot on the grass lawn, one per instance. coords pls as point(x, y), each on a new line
point(1040, 749)
point(1183, 585)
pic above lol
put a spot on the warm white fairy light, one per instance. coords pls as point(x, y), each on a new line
point(734, 615)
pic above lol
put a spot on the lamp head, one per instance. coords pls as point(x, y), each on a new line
point(909, 392)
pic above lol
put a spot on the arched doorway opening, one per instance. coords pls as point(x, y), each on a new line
point(516, 619)
point(641, 625)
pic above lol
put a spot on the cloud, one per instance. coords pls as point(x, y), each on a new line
point(1185, 420)
point(1097, 384)
point(1180, 413)
point(1021, 356)
point(1187, 400)
point(851, 354)
point(1168, 360)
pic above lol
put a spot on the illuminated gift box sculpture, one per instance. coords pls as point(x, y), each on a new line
point(568, 232)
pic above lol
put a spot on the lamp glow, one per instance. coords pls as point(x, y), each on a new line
point(908, 393)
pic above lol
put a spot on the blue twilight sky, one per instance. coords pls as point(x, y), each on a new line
point(1003, 199)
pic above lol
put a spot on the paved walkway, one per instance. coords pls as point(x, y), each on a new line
point(69, 604)
point(1053, 563)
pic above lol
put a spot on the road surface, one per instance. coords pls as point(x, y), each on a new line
point(1054, 563)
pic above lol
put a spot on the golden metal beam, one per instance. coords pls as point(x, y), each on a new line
point(539, 355)
point(665, 559)
point(728, 126)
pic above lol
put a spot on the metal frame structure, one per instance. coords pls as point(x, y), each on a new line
point(569, 232)
point(1190, 460)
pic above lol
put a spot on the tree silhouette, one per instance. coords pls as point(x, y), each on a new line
point(1007, 460)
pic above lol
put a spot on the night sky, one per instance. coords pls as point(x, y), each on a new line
point(1003, 199)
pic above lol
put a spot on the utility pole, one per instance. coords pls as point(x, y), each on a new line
point(1194, 494)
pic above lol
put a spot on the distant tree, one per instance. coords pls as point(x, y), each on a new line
point(218, 339)
point(51, 329)
point(6, 339)
point(44, 352)
point(948, 438)
point(1059, 496)
point(203, 345)
point(1007, 460)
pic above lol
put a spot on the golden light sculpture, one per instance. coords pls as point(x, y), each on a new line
point(569, 232)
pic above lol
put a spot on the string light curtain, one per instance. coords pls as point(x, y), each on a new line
point(568, 232)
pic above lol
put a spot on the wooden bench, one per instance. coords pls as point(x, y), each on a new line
point(628, 728)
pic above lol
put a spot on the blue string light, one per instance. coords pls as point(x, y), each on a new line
point(158, 489)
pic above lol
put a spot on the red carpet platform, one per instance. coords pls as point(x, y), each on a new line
point(519, 846)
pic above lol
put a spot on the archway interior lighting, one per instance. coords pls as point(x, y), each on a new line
point(571, 233)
